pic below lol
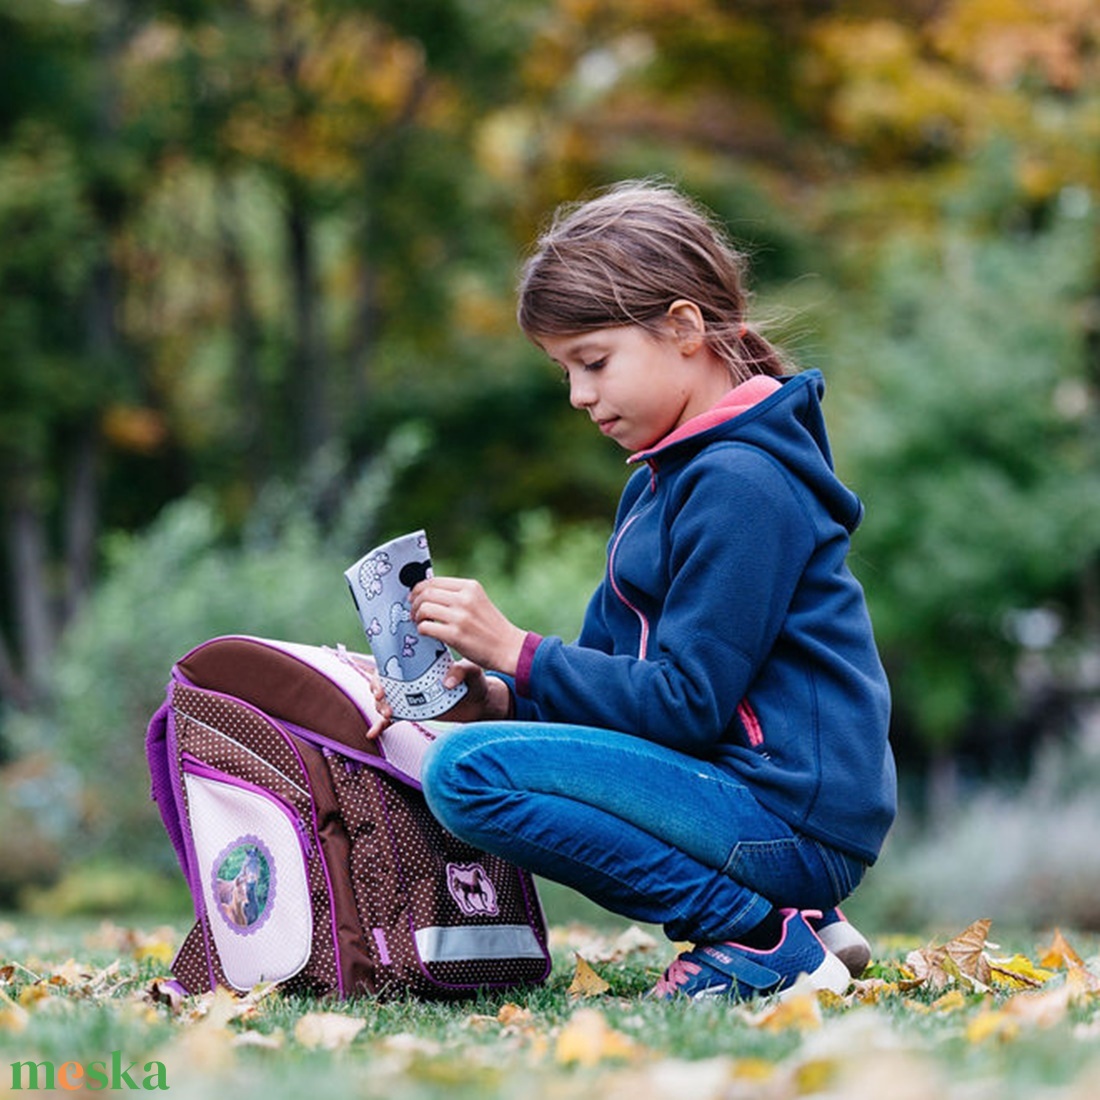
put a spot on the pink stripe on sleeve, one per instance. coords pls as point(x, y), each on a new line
point(526, 659)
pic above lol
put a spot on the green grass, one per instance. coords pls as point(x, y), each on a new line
point(76, 991)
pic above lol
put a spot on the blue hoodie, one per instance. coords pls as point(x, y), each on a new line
point(728, 625)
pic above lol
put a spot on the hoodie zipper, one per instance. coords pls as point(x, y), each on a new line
point(643, 641)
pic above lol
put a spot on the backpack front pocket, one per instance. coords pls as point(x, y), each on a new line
point(252, 849)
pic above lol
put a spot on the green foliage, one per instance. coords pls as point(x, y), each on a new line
point(184, 580)
point(167, 589)
point(45, 265)
point(968, 425)
point(544, 581)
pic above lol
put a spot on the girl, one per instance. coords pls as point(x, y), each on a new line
point(711, 753)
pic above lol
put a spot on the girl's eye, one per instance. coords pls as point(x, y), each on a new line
point(596, 364)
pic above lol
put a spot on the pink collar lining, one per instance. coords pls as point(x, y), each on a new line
point(740, 399)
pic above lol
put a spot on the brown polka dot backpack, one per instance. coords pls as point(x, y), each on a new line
point(311, 855)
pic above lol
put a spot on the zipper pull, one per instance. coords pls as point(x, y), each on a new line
point(303, 835)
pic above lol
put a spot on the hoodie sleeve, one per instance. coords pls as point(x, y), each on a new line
point(738, 538)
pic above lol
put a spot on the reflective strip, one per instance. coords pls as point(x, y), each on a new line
point(496, 941)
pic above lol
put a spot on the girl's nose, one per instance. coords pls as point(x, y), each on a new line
point(581, 392)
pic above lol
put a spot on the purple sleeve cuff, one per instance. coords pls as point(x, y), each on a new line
point(526, 659)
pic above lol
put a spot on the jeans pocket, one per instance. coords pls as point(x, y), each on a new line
point(794, 871)
point(770, 867)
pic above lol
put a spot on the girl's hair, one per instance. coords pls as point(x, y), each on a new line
point(623, 257)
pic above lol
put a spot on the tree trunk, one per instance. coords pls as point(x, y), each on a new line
point(34, 620)
point(81, 519)
point(309, 368)
point(252, 423)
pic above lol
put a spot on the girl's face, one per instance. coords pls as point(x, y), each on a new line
point(636, 387)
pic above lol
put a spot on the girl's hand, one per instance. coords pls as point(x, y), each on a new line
point(486, 697)
point(458, 613)
point(381, 705)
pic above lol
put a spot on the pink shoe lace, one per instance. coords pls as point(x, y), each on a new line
point(678, 972)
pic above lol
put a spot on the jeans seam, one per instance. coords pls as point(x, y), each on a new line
point(680, 914)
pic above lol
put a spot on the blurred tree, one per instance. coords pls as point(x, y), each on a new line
point(835, 137)
point(971, 429)
point(248, 236)
point(68, 175)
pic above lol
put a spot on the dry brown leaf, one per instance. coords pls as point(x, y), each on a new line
point(586, 982)
point(633, 940)
point(513, 1015)
point(1040, 1009)
point(961, 959)
point(967, 950)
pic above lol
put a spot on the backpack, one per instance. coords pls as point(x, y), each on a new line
point(311, 855)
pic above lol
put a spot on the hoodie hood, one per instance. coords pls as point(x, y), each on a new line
point(781, 416)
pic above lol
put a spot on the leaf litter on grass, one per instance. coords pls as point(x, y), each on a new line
point(949, 1018)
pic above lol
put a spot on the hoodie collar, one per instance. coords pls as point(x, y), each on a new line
point(740, 399)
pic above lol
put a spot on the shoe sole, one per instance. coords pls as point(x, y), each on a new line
point(832, 975)
point(848, 945)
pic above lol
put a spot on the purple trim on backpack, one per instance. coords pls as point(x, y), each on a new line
point(190, 865)
point(341, 749)
point(383, 947)
point(323, 862)
point(193, 766)
point(282, 727)
point(287, 650)
point(161, 791)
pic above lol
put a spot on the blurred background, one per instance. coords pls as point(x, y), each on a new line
point(257, 261)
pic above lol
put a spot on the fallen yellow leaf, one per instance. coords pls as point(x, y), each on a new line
point(588, 1039)
point(13, 1017)
point(327, 1030)
point(1019, 972)
point(1058, 954)
point(992, 1024)
point(160, 951)
point(32, 995)
point(586, 982)
point(799, 1010)
point(1082, 982)
point(952, 1001)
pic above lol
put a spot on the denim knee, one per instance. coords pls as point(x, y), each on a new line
point(460, 783)
point(436, 775)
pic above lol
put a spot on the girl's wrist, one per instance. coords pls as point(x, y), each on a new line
point(511, 650)
point(499, 703)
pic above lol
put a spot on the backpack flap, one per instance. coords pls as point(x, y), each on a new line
point(321, 690)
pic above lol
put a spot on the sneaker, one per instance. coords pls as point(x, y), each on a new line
point(842, 939)
point(733, 970)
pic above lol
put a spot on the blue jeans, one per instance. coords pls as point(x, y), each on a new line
point(643, 830)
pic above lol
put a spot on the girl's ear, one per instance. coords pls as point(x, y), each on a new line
point(688, 328)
